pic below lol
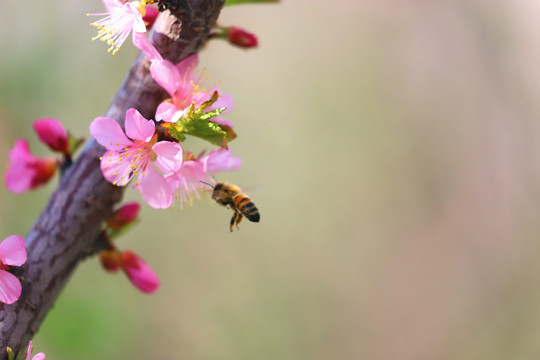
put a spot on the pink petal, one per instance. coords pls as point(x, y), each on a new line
point(19, 176)
point(142, 43)
point(12, 251)
point(29, 351)
point(220, 160)
point(10, 287)
point(166, 111)
point(224, 101)
point(166, 75)
point(39, 356)
point(109, 134)
point(140, 274)
point(187, 66)
point(221, 121)
point(117, 170)
point(155, 190)
point(138, 24)
point(26, 171)
point(169, 156)
point(137, 127)
point(53, 134)
point(111, 4)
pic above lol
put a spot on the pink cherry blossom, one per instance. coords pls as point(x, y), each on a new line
point(127, 158)
point(26, 171)
point(122, 19)
point(12, 253)
point(195, 172)
point(39, 356)
point(53, 134)
point(184, 86)
point(138, 272)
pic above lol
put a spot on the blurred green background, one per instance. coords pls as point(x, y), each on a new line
point(392, 148)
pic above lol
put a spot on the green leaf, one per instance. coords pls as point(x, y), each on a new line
point(240, 2)
point(196, 122)
point(74, 143)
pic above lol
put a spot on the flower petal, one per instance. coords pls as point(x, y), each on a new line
point(108, 133)
point(187, 66)
point(166, 75)
point(220, 160)
point(137, 127)
point(224, 101)
point(115, 168)
point(165, 111)
point(155, 190)
point(12, 251)
point(39, 356)
point(142, 43)
point(10, 287)
point(112, 4)
point(169, 156)
point(19, 176)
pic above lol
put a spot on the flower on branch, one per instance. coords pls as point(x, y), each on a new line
point(122, 19)
point(185, 87)
point(195, 172)
point(12, 253)
point(136, 156)
point(27, 171)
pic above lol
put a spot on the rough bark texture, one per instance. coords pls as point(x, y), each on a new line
point(67, 230)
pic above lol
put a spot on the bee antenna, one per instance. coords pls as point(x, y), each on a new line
point(212, 186)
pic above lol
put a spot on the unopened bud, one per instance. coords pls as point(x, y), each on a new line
point(53, 134)
point(110, 259)
point(26, 171)
point(10, 353)
point(241, 37)
point(124, 216)
point(138, 272)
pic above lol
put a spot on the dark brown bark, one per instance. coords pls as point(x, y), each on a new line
point(67, 230)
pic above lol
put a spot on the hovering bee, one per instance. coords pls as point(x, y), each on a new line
point(231, 196)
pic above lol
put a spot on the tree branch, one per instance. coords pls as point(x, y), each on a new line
point(66, 231)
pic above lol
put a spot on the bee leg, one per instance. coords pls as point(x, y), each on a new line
point(233, 220)
point(239, 218)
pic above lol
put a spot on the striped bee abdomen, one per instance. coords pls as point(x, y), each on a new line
point(244, 204)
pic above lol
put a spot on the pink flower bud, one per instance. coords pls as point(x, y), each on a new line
point(110, 259)
point(241, 37)
point(138, 272)
point(124, 216)
point(26, 171)
point(150, 16)
point(52, 133)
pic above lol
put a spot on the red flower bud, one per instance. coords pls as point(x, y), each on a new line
point(26, 171)
point(138, 272)
point(52, 133)
point(124, 216)
point(241, 37)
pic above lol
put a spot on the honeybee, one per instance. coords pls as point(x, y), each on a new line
point(231, 196)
